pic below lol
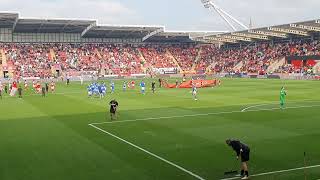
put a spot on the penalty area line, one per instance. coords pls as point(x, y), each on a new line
point(204, 114)
point(243, 110)
point(276, 172)
point(148, 152)
point(259, 105)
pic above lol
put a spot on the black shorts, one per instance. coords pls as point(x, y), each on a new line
point(245, 156)
point(112, 111)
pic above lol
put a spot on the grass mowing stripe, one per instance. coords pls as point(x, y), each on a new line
point(30, 95)
point(148, 152)
point(277, 172)
point(204, 114)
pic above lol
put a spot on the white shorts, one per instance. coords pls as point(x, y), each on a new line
point(143, 88)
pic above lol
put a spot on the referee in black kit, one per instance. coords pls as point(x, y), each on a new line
point(113, 109)
point(243, 151)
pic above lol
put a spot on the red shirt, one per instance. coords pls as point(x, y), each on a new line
point(14, 85)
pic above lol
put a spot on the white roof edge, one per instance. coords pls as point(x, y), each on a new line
point(179, 31)
point(9, 12)
point(127, 25)
point(65, 19)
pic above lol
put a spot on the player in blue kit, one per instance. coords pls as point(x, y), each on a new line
point(89, 90)
point(112, 87)
point(143, 87)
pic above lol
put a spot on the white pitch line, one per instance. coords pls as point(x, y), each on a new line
point(277, 172)
point(150, 153)
point(243, 110)
point(205, 114)
point(274, 103)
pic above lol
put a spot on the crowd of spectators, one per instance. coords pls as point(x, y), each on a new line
point(157, 57)
point(42, 59)
point(255, 59)
point(185, 56)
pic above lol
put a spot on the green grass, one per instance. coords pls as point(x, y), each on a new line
point(49, 138)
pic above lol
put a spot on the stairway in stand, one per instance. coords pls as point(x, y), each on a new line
point(1, 71)
point(98, 53)
point(194, 65)
point(238, 66)
point(276, 64)
point(316, 68)
point(169, 55)
point(3, 57)
point(210, 66)
point(143, 65)
point(52, 54)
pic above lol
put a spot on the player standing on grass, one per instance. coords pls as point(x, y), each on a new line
point(68, 80)
point(243, 151)
point(160, 82)
point(43, 91)
point(143, 87)
point(1, 90)
point(6, 88)
point(112, 86)
point(153, 87)
point(25, 85)
point(113, 109)
point(47, 87)
point(52, 85)
point(194, 92)
point(283, 94)
point(124, 87)
point(20, 92)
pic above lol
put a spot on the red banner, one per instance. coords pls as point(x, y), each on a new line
point(191, 83)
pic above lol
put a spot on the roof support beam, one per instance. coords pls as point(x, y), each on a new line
point(238, 38)
point(267, 33)
point(160, 30)
point(253, 36)
point(67, 24)
point(15, 24)
point(40, 27)
point(199, 39)
point(308, 28)
point(289, 31)
point(88, 28)
point(221, 39)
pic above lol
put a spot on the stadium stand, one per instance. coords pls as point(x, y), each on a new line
point(41, 48)
point(41, 59)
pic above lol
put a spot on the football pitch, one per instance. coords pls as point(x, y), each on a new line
point(162, 136)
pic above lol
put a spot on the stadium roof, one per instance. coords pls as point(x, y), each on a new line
point(90, 29)
point(51, 26)
point(120, 31)
point(299, 29)
point(7, 20)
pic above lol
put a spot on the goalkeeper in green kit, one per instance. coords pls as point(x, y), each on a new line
point(283, 94)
